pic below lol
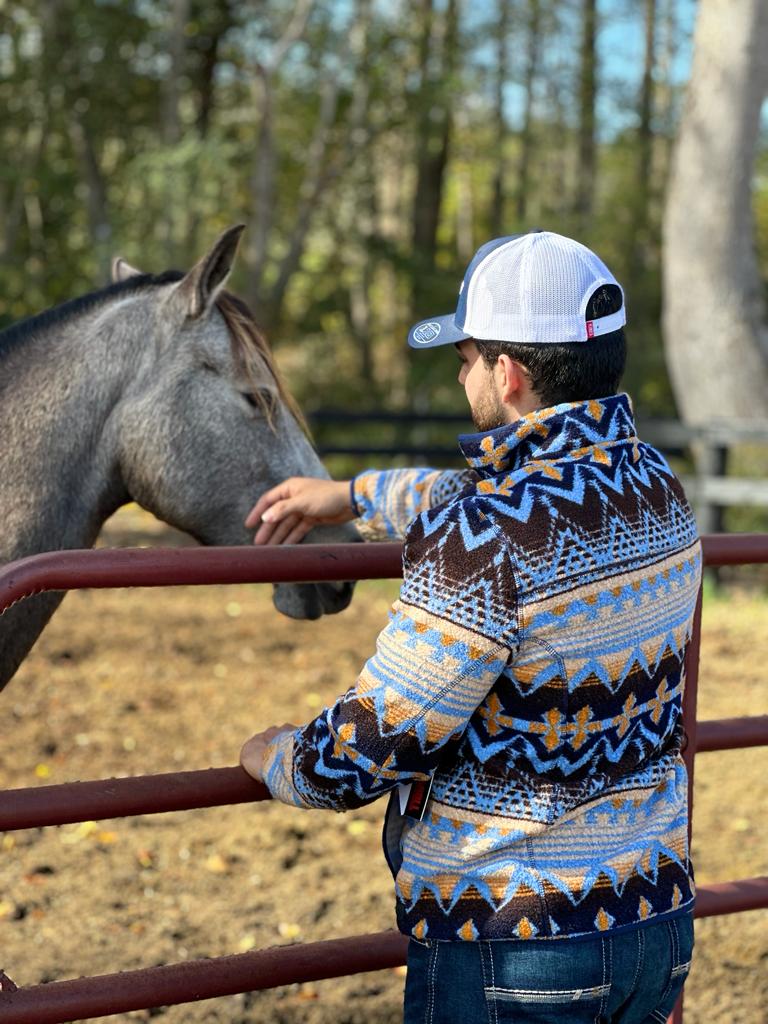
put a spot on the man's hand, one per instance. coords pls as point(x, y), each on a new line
point(252, 754)
point(286, 513)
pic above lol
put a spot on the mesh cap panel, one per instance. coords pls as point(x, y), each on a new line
point(535, 289)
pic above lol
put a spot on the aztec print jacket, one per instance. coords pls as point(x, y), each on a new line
point(534, 666)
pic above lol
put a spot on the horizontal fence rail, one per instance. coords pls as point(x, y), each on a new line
point(59, 1002)
point(164, 567)
point(302, 563)
point(69, 802)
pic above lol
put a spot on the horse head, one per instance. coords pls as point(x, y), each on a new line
point(205, 424)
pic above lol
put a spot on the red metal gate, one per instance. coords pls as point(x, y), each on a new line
point(59, 1002)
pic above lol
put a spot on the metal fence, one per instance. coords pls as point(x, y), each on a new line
point(83, 998)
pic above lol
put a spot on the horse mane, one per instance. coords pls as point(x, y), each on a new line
point(251, 352)
point(58, 315)
point(250, 347)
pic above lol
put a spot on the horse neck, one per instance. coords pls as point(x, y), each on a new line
point(57, 461)
point(58, 477)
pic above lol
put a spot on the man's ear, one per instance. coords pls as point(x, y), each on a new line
point(511, 378)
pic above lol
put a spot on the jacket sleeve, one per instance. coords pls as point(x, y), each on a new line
point(449, 637)
point(387, 501)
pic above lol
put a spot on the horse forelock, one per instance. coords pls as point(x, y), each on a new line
point(252, 353)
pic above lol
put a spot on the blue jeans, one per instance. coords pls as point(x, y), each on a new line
point(634, 977)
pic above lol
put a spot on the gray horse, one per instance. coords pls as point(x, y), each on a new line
point(156, 389)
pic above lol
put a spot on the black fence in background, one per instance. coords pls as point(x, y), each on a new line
point(702, 455)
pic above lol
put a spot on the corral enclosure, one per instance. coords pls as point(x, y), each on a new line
point(131, 682)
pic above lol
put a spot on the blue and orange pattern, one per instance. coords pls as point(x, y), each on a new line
point(534, 665)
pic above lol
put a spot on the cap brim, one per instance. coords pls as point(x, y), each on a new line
point(438, 330)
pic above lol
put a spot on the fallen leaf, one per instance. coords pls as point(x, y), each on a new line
point(216, 864)
point(83, 830)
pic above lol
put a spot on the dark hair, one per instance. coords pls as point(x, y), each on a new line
point(572, 371)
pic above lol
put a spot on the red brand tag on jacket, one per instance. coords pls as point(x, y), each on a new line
point(413, 798)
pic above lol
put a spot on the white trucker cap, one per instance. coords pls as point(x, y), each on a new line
point(531, 289)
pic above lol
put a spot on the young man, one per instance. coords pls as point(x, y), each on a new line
point(523, 708)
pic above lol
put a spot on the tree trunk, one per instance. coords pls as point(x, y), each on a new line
point(502, 73)
point(434, 130)
point(639, 240)
point(715, 330)
point(99, 222)
point(262, 180)
point(313, 183)
point(526, 135)
point(666, 117)
point(209, 45)
point(585, 178)
point(171, 126)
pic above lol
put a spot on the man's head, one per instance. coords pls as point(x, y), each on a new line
point(539, 322)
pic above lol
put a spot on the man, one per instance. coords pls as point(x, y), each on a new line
point(523, 707)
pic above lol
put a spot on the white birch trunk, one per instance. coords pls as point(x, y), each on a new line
point(715, 330)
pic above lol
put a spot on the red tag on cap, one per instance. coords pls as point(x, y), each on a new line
point(590, 329)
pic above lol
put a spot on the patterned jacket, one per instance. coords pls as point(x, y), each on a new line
point(533, 666)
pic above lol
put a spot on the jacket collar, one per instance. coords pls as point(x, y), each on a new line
point(572, 429)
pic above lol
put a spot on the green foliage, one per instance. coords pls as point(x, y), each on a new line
point(130, 134)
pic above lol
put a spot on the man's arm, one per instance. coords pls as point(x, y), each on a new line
point(387, 501)
point(435, 662)
point(383, 503)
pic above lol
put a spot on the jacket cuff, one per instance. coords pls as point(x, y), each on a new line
point(278, 769)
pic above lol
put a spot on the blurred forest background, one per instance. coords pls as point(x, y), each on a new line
point(369, 146)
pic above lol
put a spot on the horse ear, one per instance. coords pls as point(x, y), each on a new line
point(201, 286)
point(122, 270)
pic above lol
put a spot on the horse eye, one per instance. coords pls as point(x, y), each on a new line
point(209, 366)
point(251, 400)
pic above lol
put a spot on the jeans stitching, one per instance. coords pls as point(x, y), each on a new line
point(482, 966)
point(681, 970)
point(640, 959)
point(599, 1013)
point(493, 983)
point(609, 979)
point(483, 950)
point(675, 956)
point(431, 985)
point(561, 996)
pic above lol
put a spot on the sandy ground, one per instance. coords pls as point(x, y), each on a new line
point(134, 682)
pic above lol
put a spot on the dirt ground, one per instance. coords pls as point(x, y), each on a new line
point(132, 682)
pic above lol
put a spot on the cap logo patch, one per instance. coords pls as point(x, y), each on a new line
point(425, 333)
